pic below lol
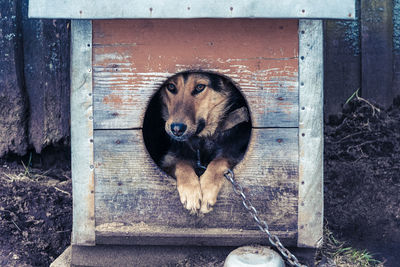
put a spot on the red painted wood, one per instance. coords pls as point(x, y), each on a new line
point(133, 57)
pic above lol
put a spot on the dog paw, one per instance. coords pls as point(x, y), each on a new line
point(190, 196)
point(210, 193)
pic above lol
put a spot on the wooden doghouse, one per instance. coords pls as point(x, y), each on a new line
point(122, 51)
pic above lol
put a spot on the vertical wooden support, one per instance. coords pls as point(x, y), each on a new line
point(310, 209)
point(342, 64)
point(83, 224)
point(377, 52)
point(46, 45)
point(396, 49)
point(12, 96)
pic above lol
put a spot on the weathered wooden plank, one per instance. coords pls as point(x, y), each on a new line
point(46, 45)
point(131, 189)
point(82, 166)
point(396, 78)
point(145, 234)
point(396, 49)
point(310, 221)
point(13, 137)
point(81, 9)
point(132, 58)
point(377, 57)
point(342, 64)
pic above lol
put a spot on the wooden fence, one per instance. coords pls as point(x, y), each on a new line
point(34, 70)
point(363, 54)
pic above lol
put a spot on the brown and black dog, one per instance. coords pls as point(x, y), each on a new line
point(207, 120)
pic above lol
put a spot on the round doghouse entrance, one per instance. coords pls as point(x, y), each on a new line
point(200, 116)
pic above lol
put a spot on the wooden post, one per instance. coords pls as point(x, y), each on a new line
point(396, 49)
point(12, 100)
point(82, 165)
point(311, 70)
point(376, 45)
point(342, 61)
point(46, 76)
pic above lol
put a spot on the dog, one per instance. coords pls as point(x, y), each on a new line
point(207, 120)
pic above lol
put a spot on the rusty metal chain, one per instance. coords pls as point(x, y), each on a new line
point(262, 225)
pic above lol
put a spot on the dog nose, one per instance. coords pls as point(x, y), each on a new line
point(178, 128)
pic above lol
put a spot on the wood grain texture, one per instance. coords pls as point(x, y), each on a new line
point(82, 168)
point(147, 234)
point(377, 51)
point(132, 58)
point(311, 134)
point(396, 73)
point(131, 189)
point(46, 45)
point(103, 9)
point(12, 95)
point(342, 64)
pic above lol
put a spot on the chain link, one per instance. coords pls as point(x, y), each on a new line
point(262, 225)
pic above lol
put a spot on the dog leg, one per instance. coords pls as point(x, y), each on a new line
point(211, 182)
point(188, 186)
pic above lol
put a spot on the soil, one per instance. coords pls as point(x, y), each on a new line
point(35, 214)
point(361, 192)
point(362, 178)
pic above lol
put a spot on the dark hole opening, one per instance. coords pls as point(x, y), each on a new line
point(158, 142)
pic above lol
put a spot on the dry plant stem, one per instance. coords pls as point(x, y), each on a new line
point(368, 103)
point(62, 191)
point(19, 229)
point(8, 176)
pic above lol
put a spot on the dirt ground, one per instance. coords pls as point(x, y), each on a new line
point(35, 214)
point(362, 200)
point(362, 179)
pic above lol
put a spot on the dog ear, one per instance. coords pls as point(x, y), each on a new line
point(220, 84)
point(217, 82)
point(236, 117)
point(226, 85)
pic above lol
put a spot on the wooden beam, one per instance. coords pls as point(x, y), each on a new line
point(82, 165)
point(396, 49)
point(311, 70)
point(342, 64)
point(104, 9)
point(12, 98)
point(46, 45)
point(377, 52)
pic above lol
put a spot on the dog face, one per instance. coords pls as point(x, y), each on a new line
point(193, 104)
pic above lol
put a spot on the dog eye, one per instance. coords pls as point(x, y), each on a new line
point(199, 88)
point(171, 87)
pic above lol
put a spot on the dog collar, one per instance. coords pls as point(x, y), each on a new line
point(198, 162)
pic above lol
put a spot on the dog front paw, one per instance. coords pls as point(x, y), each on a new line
point(190, 196)
point(211, 182)
point(210, 193)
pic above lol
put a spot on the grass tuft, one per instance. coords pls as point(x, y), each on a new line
point(342, 255)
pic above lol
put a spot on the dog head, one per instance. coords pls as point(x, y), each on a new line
point(194, 104)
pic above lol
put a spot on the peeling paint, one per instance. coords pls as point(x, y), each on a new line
point(263, 62)
point(111, 56)
point(351, 31)
point(10, 36)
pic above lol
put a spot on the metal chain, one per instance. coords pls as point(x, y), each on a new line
point(273, 239)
